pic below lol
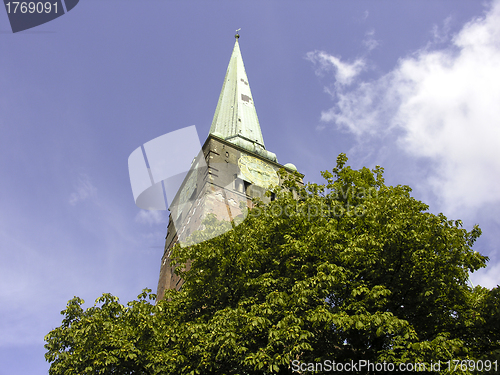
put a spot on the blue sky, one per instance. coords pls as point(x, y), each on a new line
point(413, 86)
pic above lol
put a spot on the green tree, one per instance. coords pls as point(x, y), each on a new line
point(108, 338)
point(348, 270)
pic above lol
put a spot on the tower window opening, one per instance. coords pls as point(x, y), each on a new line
point(247, 186)
point(238, 184)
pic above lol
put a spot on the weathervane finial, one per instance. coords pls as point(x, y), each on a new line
point(237, 33)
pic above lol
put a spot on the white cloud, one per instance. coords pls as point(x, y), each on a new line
point(150, 217)
point(442, 34)
point(84, 190)
point(369, 42)
point(487, 277)
point(442, 104)
point(344, 72)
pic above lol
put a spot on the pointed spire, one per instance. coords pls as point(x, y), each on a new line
point(235, 117)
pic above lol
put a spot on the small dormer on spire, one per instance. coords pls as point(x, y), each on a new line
point(235, 118)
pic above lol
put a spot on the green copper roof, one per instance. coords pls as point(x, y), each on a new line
point(235, 118)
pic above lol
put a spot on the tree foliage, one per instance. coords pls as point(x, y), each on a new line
point(348, 270)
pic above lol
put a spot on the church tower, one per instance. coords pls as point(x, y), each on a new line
point(232, 168)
